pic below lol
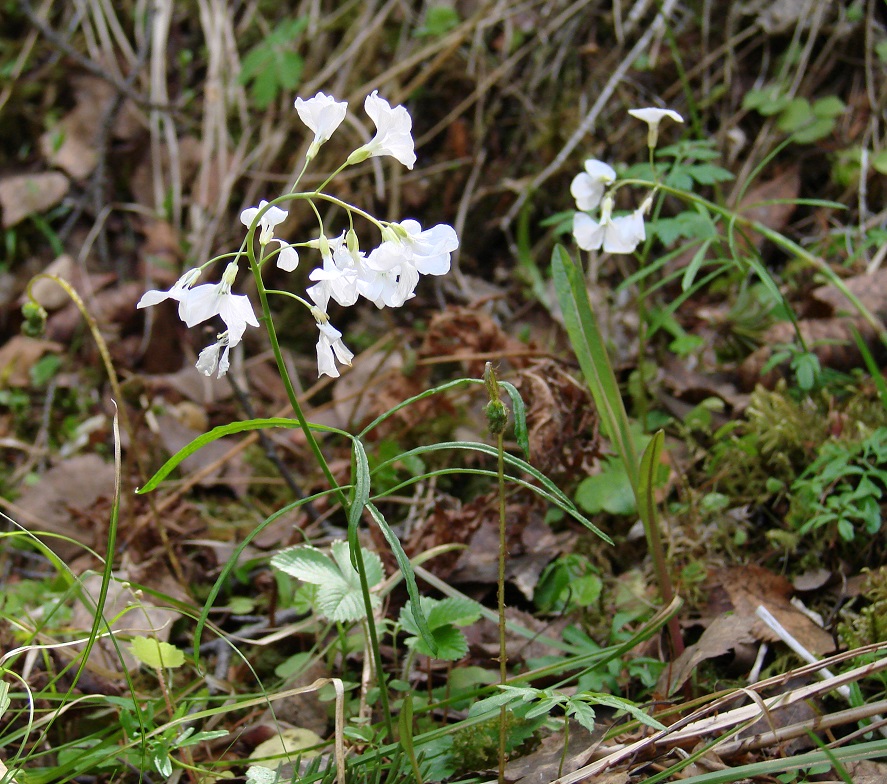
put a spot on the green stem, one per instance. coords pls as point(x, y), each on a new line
point(503, 657)
point(321, 459)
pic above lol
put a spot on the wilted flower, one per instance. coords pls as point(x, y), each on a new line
point(329, 346)
point(322, 114)
point(393, 133)
point(615, 235)
point(267, 222)
point(653, 117)
point(588, 187)
point(215, 356)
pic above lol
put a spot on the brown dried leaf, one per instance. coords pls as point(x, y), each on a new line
point(18, 355)
point(721, 637)
point(49, 293)
point(27, 194)
point(127, 613)
point(750, 586)
point(774, 216)
point(63, 494)
point(550, 759)
point(71, 145)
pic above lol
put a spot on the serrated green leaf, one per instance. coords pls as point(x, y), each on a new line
point(709, 174)
point(582, 712)
point(343, 603)
point(450, 644)
point(456, 610)
point(623, 705)
point(156, 653)
point(307, 564)
point(372, 563)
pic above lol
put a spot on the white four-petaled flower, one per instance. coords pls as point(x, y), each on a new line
point(178, 292)
point(215, 356)
point(614, 235)
point(393, 132)
point(322, 114)
point(588, 187)
point(215, 299)
point(270, 218)
point(653, 117)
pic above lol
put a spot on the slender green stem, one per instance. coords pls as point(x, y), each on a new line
point(324, 465)
point(503, 654)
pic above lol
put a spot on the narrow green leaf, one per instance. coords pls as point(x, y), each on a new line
point(409, 576)
point(591, 352)
point(519, 411)
point(694, 265)
point(405, 727)
point(360, 496)
point(647, 479)
point(213, 435)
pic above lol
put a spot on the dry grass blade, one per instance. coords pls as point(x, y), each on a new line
point(700, 724)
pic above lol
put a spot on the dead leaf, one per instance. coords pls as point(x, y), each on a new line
point(71, 145)
point(722, 636)
point(750, 586)
point(26, 194)
point(545, 763)
point(65, 492)
point(866, 772)
point(174, 435)
point(49, 293)
point(785, 186)
point(18, 355)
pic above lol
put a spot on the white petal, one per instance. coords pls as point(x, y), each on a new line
point(393, 130)
point(288, 257)
point(322, 114)
point(589, 233)
point(655, 116)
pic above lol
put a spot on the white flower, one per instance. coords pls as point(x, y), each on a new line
point(178, 292)
point(287, 257)
point(388, 280)
point(329, 346)
point(338, 276)
point(653, 117)
point(393, 133)
point(429, 250)
point(588, 187)
point(322, 114)
point(615, 235)
point(270, 218)
point(215, 356)
point(204, 302)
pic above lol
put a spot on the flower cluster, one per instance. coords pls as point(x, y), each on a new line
point(387, 275)
point(591, 189)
